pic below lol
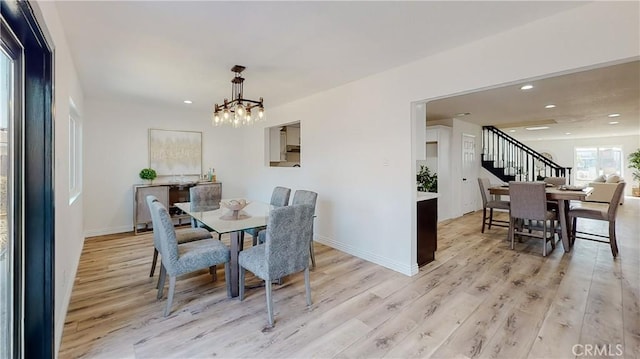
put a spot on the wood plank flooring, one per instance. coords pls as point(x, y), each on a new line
point(479, 299)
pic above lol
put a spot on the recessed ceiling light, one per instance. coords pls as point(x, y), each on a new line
point(550, 106)
point(512, 130)
point(463, 114)
point(567, 133)
point(188, 101)
point(614, 115)
point(526, 87)
point(614, 122)
point(537, 128)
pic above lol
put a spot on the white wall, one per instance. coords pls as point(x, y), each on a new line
point(563, 152)
point(116, 150)
point(68, 218)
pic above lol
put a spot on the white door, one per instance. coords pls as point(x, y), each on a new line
point(469, 183)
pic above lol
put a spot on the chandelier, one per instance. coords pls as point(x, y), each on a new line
point(239, 111)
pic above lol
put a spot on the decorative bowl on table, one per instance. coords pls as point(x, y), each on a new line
point(235, 207)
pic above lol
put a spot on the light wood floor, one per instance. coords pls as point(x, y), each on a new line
point(478, 299)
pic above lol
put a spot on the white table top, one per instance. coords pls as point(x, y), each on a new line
point(258, 213)
point(423, 196)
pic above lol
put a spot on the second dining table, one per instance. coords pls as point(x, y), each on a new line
point(254, 215)
point(563, 196)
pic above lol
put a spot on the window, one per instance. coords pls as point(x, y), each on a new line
point(30, 185)
point(10, 61)
point(591, 162)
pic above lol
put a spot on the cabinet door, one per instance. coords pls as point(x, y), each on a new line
point(141, 212)
point(293, 136)
point(274, 144)
point(283, 146)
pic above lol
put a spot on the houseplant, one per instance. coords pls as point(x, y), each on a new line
point(148, 174)
point(427, 182)
point(634, 164)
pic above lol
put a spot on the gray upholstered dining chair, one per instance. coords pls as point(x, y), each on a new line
point(183, 235)
point(285, 250)
point(489, 202)
point(279, 198)
point(302, 196)
point(186, 258)
point(529, 202)
point(598, 212)
point(205, 197)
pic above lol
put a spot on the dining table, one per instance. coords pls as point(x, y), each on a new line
point(254, 215)
point(562, 195)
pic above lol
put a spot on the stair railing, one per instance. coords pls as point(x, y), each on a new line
point(518, 161)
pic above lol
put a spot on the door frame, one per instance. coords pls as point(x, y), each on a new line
point(37, 288)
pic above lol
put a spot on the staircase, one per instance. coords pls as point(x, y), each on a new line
point(510, 160)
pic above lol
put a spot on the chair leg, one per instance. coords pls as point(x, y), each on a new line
point(307, 285)
point(553, 235)
point(267, 286)
point(484, 217)
point(544, 238)
point(511, 230)
point(172, 288)
point(153, 263)
point(572, 236)
point(312, 255)
point(612, 238)
point(490, 217)
point(227, 279)
point(214, 273)
point(161, 281)
point(241, 284)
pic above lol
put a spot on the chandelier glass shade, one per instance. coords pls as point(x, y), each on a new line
point(239, 111)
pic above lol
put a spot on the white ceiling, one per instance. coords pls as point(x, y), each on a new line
point(163, 52)
point(583, 102)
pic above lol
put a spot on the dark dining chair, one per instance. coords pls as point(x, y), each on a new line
point(598, 212)
point(529, 203)
point(186, 258)
point(489, 202)
point(555, 182)
point(285, 250)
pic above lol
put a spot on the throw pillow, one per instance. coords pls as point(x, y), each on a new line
point(613, 179)
point(600, 179)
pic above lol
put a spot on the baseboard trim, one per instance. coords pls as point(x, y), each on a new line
point(105, 231)
point(403, 268)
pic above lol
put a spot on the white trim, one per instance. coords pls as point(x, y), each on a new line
point(104, 231)
point(369, 256)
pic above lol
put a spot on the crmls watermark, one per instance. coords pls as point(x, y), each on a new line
point(597, 350)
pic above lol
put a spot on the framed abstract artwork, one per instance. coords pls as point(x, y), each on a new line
point(175, 152)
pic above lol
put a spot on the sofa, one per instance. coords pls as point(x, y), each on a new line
point(603, 188)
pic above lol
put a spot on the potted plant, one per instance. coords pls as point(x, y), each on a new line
point(427, 182)
point(634, 164)
point(148, 174)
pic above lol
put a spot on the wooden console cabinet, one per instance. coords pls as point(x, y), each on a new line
point(167, 194)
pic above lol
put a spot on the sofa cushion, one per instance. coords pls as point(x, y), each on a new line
point(613, 179)
point(600, 179)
